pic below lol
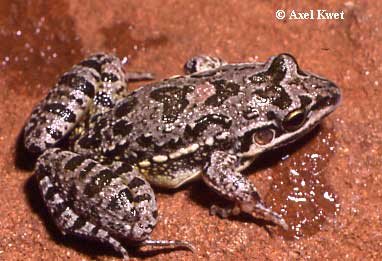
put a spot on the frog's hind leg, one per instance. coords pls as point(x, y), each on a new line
point(92, 86)
point(110, 204)
point(202, 63)
point(221, 175)
point(60, 203)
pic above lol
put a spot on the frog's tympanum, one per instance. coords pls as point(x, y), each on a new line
point(210, 124)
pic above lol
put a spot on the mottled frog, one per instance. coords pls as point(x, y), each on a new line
point(209, 124)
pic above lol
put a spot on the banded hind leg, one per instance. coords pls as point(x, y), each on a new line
point(93, 86)
point(221, 175)
point(109, 204)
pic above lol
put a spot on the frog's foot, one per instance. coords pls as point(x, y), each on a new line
point(224, 212)
point(221, 175)
point(92, 86)
point(168, 243)
point(202, 63)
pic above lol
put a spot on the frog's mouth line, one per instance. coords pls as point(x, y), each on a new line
point(290, 137)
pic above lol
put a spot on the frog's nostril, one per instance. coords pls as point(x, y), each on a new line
point(335, 93)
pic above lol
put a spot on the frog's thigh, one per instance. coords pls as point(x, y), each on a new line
point(94, 84)
point(202, 63)
point(59, 201)
point(221, 175)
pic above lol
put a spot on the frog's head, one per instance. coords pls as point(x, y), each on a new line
point(285, 104)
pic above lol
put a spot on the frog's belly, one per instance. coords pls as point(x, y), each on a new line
point(171, 180)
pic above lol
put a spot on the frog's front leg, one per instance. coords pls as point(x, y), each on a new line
point(202, 63)
point(221, 175)
point(113, 205)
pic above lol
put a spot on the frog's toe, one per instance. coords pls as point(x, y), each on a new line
point(260, 209)
point(169, 243)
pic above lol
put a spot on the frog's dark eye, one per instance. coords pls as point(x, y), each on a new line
point(294, 120)
point(263, 136)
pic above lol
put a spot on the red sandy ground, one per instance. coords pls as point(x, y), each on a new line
point(340, 162)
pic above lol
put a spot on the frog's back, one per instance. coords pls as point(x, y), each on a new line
point(183, 113)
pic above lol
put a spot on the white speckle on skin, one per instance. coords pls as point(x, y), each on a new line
point(194, 147)
point(209, 141)
point(184, 151)
point(160, 158)
point(144, 163)
point(175, 155)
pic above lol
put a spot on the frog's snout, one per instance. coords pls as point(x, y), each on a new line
point(336, 94)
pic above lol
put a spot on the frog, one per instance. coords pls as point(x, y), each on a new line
point(101, 148)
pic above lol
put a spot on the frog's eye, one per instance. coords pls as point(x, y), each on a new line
point(263, 136)
point(294, 120)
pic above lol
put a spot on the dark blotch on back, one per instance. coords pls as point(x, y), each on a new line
point(122, 127)
point(173, 99)
point(276, 95)
point(144, 141)
point(89, 142)
point(125, 106)
point(204, 122)
point(224, 90)
point(118, 151)
point(272, 78)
